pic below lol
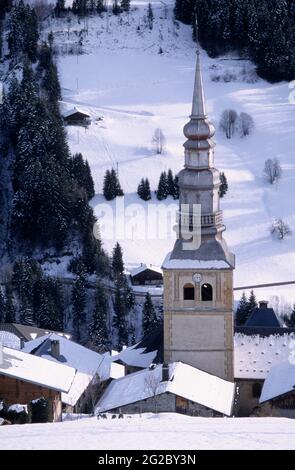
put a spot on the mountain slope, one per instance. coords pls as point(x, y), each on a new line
point(122, 77)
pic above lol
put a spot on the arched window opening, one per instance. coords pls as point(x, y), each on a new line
point(256, 390)
point(207, 293)
point(189, 292)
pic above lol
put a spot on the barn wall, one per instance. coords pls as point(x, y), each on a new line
point(166, 403)
point(17, 391)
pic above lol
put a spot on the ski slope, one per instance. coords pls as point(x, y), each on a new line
point(122, 78)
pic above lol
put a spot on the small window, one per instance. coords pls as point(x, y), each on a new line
point(189, 292)
point(207, 293)
point(256, 390)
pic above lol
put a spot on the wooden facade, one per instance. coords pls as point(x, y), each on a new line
point(147, 277)
point(77, 118)
point(13, 390)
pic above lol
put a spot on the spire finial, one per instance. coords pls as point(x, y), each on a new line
point(198, 108)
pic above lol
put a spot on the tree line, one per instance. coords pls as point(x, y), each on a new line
point(50, 187)
point(263, 30)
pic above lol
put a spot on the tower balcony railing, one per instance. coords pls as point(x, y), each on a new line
point(207, 220)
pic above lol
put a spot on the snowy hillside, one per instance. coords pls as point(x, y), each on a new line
point(122, 77)
point(165, 431)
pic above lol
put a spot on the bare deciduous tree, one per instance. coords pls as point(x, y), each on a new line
point(152, 385)
point(245, 124)
point(272, 170)
point(280, 228)
point(228, 122)
point(159, 141)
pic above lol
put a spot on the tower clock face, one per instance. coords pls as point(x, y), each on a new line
point(197, 277)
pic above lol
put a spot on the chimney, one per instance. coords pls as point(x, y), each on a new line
point(165, 372)
point(55, 348)
point(22, 342)
point(263, 304)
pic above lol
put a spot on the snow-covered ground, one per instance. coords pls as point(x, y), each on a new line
point(166, 431)
point(124, 79)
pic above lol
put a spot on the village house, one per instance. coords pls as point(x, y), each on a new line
point(76, 117)
point(278, 392)
point(24, 333)
point(92, 369)
point(146, 275)
point(175, 387)
point(258, 345)
point(24, 378)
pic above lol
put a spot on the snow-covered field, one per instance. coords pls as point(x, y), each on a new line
point(166, 431)
point(124, 79)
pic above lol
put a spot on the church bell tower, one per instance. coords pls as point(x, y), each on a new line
point(198, 276)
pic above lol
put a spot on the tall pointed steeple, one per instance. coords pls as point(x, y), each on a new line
point(199, 107)
point(198, 277)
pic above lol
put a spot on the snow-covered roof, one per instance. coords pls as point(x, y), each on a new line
point(117, 370)
point(37, 370)
point(86, 362)
point(280, 380)
point(9, 339)
point(143, 267)
point(27, 332)
point(193, 264)
point(255, 355)
point(185, 381)
point(136, 357)
point(74, 110)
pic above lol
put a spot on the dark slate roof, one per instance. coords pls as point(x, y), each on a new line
point(263, 317)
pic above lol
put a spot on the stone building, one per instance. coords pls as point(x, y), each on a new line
point(175, 387)
point(198, 277)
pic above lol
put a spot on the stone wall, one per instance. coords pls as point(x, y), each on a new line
point(166, 403)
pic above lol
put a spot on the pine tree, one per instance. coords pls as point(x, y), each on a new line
point(242, 311)
point(223, 188)
point(252, 303)
point(132, 337)
point(59, 8)
point(125, 5)
point(98, 331)
point(79, 303)
point(10, 316)
point(176, 188)
point(149, 316)
point(51, 83)
point(111, 185)
point(162, 190)
point(81, 173)
point(117, 262)
point(290, 319)
point(120, 317)
point(170, 183)
point(144, 190)
point(26, 315)
point(2, 307)
point(49, 303)
point(150, 16)
point(100, 6)
point(116, 8)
